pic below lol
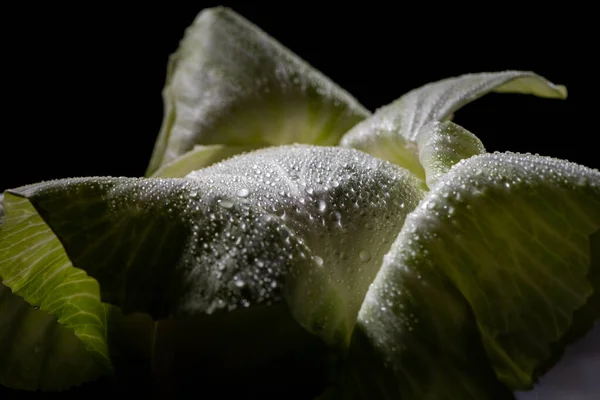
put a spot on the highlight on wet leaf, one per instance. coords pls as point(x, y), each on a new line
point(292, 224)
point(443, 144)
point(495, 260)
point(230, 83)
point(285, 243)
point(391, 133)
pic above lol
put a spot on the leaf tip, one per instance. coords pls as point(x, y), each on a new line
point(562, 91)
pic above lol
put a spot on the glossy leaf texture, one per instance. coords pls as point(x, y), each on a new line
point(232, 84)
point(391, 133)
point(443, 144)
point(490, 274)
point(303, 226)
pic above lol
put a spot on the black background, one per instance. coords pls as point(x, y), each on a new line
point(83, 88)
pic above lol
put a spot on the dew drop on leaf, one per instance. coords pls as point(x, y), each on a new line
point(226, 203)
point(243, 192)
point(365, 256)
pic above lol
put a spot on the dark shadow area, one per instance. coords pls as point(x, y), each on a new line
point(253, 353)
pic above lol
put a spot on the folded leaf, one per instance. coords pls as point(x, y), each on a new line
point(416, 337)
point(344, 206)
point(199, 157)
point(230, 83)
point(391, 133)
point(34, 266)
point(535, 217)
point(512, 234)
point(303, 226)
point(443, 144)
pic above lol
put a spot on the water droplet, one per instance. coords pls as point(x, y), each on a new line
point(226, 203)
point(318, 261)
point(364, 256)
point(335, 216)
point(322, 205)
point(243, 192)
point(240, 283)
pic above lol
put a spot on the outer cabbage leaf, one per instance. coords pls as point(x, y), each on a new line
point(496, 266)
point(303, 228)
point(578, 351)
point(391, 133)
point(416, 338)
point(324, 195)
point(231, 83)
point(41, 353)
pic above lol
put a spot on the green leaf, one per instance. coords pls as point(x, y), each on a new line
point(561, 362)
point(534, 219)
point(416, 339)
point(231, 83)
point(344, 206)
point(37, 351)
point(391, 133)
point(34, 266)
point(443, 144)
point(497, 257)
point(199, 157)
point(303, 225)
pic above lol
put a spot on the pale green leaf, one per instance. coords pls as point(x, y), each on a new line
point(496, 259)
point(391, 133)
point(33, 264)
point(443, 144)
point(231, 83)
point(303, 225)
